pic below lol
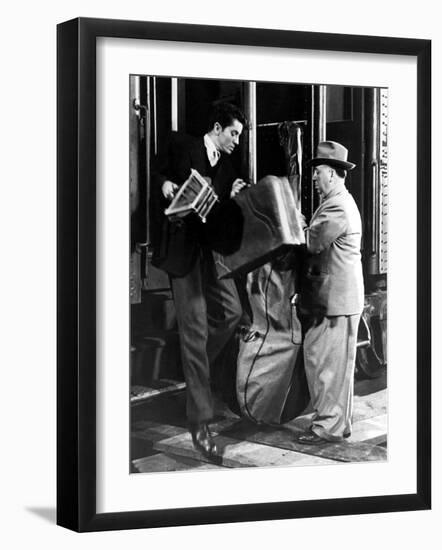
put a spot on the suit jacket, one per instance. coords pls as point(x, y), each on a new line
point(334, 281)
point(176, 244)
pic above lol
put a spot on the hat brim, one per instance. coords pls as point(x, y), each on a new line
point(343, 164)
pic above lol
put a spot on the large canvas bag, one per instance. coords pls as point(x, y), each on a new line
point(271, 384)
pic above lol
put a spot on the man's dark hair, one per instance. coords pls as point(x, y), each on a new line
point(341, 173)
point(225, 114)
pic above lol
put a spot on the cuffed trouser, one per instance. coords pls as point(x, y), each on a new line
point(208, 311)
point(330, 354)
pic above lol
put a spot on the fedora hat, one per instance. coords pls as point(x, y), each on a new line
point(333, 154)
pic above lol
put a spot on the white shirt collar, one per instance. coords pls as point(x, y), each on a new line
point(212, 152)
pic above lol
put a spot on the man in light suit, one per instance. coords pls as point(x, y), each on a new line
point(333, 298)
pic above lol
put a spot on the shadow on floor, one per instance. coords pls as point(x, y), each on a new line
point(48, 514)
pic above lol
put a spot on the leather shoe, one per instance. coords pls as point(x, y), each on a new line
point(311, 439)
point(203, 441)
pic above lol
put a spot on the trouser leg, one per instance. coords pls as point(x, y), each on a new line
point(190, 305)
point(207, 313)
point(223, 308)
point(330, 353)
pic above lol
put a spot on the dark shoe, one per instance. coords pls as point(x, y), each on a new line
point(311, 438)
point(203, 442)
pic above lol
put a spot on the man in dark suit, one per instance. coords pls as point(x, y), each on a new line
point(208, 310)
point(333, 297)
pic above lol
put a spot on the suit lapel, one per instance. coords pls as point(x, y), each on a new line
point(222, 178)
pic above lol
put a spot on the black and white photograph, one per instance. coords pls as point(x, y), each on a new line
point(258, 274)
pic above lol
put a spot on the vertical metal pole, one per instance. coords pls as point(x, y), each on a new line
point(174, 106)
point(322, 119)
point(147, 140)
point(134, 121)
point(319, 127)
point(311, 192)
point(250, 108)
point(154, 115)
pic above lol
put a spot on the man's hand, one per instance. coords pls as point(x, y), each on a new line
point(237, 186)
point(301, 218)
point(168, 189)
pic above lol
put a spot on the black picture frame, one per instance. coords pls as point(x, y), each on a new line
point(76, 273)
